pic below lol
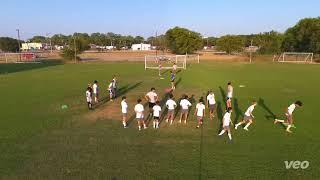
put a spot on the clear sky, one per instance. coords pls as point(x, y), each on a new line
point(145, 17)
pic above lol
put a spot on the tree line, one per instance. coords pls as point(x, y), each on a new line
point(303, 37)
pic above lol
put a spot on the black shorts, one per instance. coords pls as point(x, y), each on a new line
point(151, 104)
point(172, 80)
point(156, 118)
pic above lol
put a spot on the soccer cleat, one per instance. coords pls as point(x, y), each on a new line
point(246, 129)
point(197, 126)
point(275, 121)
point(145, 127)
point(185, 122)
point(236, 127)
point(180, 121)
point(171, 122)
point(167, 120)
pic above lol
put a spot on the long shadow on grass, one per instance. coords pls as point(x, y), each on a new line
point(163, 106)
point(237, 111)
point(176, 111)
point(178, 82)
point(223, 95)
point(219, 115)
point(270, 114)
point(193, 102)
point(18, 67)
point(121, 91)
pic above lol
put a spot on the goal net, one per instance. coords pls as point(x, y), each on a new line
point(18, 57)
point(296, 57)
point(167, 61)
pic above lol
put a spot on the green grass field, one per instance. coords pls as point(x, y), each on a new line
point(39, 140)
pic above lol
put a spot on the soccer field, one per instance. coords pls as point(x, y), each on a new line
point(40, 140)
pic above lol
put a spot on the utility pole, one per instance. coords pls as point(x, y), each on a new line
point(49, 42)
point(156, 44)
point(75, 49)
point(250, 49)
point(19, 43)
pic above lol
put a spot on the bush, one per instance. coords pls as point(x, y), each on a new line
point(68, 54)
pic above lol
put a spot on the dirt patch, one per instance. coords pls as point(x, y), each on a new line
point(105, 111)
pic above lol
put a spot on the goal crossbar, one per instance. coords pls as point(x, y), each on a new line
point(167, 61)
point(305, 57)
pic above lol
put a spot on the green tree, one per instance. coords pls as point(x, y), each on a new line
point(138, 39)
point(159, 41)
point(8, 44)
point(181, 40)
point(210, 41)
point(77, 44)
point(303, 37)
point(60, 39)
point(231, 43)
point(268, 42)
point(99, 39)
point(38, 39)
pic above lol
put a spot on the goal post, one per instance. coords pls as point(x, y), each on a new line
point(24, 57)
point(296, 57)
point(167, 61)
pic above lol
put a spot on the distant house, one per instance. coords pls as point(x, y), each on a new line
point(141, 47)
point(251, 48)
point(57, 47)
point(110, 47)
point(32, 46)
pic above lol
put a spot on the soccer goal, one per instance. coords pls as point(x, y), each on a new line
point(167, 61)
point(296, 57)
point(18, 57)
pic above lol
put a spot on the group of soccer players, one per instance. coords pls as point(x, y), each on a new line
point(92, 92)
point(156, 112)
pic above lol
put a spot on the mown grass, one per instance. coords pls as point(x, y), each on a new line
point(39, 140)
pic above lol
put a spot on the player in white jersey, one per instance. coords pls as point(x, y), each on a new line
point(174, 68)
point(156, 115)
point(171, 105)
point(229, 94)
point(248, 117)
point(124, 110)
point(110, 90)
point(226, 121)
point(152, 98)
point(200, 112)
point(185, 104)
point(114, 86)
point(139, 110)
point(95, 91)
point(288, 114)
point(89, 98)
point(159, 68)
point(211, 104)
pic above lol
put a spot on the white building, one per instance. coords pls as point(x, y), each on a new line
point(141, 47)
point(57, 47)
point(31, 46)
